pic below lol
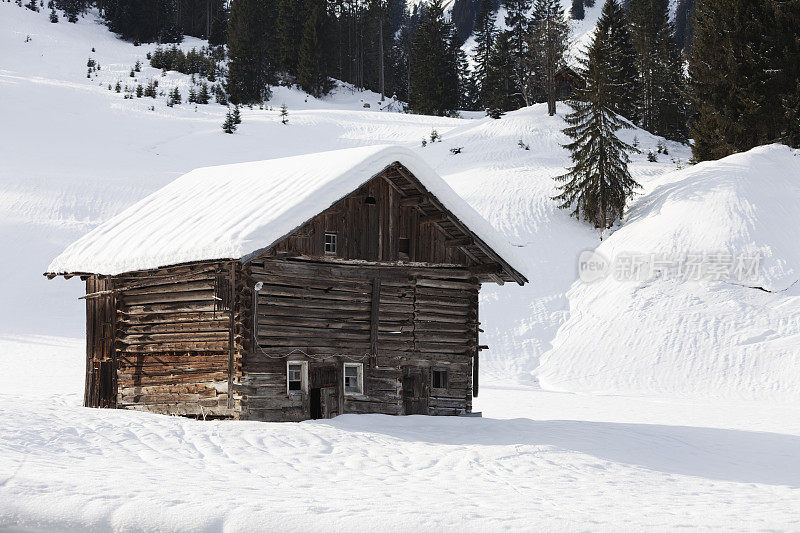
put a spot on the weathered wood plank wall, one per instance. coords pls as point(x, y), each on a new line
point(427, 317)
point(173, 341)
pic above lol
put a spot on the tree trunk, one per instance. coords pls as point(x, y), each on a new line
point(381, 87)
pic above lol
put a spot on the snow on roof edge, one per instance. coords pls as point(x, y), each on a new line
point(186, 221)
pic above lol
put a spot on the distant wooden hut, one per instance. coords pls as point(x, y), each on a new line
point(567, 82)
point(283, 290)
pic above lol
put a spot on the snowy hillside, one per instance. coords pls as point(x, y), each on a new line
point(729, 330)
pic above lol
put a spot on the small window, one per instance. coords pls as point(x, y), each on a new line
point(330, 243)
point(353, 378)
point(404, 246)
point(370, 200)
point(296, 376)
point(439, 378)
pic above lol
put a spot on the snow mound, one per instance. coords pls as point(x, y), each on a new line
point(231, 211)
point(730, 326)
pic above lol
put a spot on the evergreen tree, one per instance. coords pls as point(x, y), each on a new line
point(500, 88)
point(598, 185)
point(53, 15)
point(613, 27)
point(203, 96)
point(434, 65)
point(284, 114)
point(237, 116)
point(289, 32)
point(485, 34)
point(251, 68)
point(577, 11)
point(312, 73)
point(174, 97)
point(218, 34)
point(744, 75)
point(229, 126)
point(547, 42)
point(517, 23)
point(661, 107)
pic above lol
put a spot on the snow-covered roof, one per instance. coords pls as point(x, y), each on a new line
point(232, 211)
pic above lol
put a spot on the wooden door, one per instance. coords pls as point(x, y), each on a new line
point(415, 391)
point(324, 391)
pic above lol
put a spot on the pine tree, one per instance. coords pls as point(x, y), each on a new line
point(661, 107)
point(252, 67)
point(284, 114)
point(500, 87)
point(174, 97)
point(485, 34)
point(744, 75)
point(547, 42)
point(203, 96)
point(311, 67)
point(237, 117)
point(434, 65)
point(577, 12)
point(289, 31)
point(192, 96)
point(613, 27)
point(229, 126)
point(53, 15)
point(598, 185)
point(517, 23)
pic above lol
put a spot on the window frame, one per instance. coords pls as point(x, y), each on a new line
point(334, 242)
point(359, 377)
point(446, 372)
point(303, 377)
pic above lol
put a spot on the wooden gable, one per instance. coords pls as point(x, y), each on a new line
point(393, 218)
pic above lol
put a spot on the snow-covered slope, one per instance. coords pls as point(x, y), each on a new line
point(729, 329)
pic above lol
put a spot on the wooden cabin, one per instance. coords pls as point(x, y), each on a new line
point(291, 289)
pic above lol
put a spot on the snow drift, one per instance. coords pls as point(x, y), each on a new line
point(709, 334)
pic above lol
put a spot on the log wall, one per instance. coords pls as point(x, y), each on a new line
point(173, 341)
point(391, 318)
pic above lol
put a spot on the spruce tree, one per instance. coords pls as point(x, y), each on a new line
point(251, 68)
point(613, 26)
point(577, 11)
point(236, 115)
point(311, 67)
point(500, 87)
point(289, 31)
point(517, 23)
point(229, 126)
point(547, 42)
point(485, 34)
point(433, 88)
point(744, 75)
point(661, 108)
point(284, 114)
point(598, 185)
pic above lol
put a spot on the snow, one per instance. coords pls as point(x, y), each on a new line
point(559, 461)
point(234, 211)
point(727, 337)
point(646, 405)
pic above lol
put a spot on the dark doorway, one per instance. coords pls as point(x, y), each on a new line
point(323, 391)
point(415, 391)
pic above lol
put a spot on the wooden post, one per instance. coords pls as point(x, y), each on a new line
point(374, 319)
point(475, 374)
point(231, 312)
